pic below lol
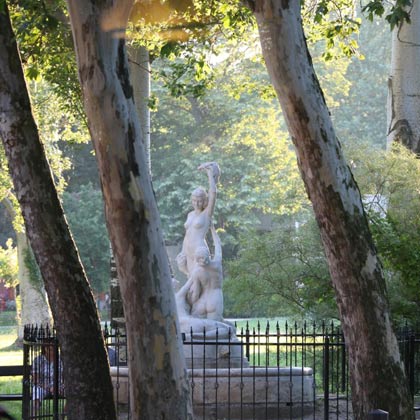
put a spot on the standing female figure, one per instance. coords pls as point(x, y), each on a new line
point(199, 220)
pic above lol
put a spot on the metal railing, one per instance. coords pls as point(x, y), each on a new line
point(43, 383)
point(258, 371)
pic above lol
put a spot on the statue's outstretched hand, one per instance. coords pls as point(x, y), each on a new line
point(212, 168)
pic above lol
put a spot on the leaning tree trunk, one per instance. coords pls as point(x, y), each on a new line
point(33, 298)
point(88, 383)
point(140, 75)
point(403, 108)
point(34, 308)
point(159, 387)
point(377, 376)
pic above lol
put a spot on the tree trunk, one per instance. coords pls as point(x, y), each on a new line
point(34, 305)
point(140, 76)
point(88, 382)
point(403, 108)
point(159, 387)
point(377, 376)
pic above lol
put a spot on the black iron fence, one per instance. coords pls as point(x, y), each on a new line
point(43, 389)
point(258, 371)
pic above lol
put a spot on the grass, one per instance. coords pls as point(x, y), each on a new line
point(10, 354)
point(12, 385)
point(8, 318)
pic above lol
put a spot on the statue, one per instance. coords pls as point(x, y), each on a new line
point(199, 220)
point(201, 296)
point(200, 299)
point(194, 326)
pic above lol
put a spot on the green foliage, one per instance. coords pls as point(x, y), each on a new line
point(45, 42)
point(399, 245)
point(360, 113)
point(5, 181)
point(84, 211)
point(392, 180)
point(189, 75)
point(35, 276)
point(283, 272)
point(259, 173)
point(332, 23)
point(397, 13)
point(8, 263)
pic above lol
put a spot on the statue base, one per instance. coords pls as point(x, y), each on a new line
point(242, 393)
point(215, 354)
point(252, 393)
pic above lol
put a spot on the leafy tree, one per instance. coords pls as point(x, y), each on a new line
point(158, 379)
point(355, 269)
point(360, 114)
point(234, 123)
point(34, 307)
point(282, 272)
point(84, 210)
point(8, 263)
point(88, 385)
point(258, 175)
point(43, 32)
point(403, 83)
point(391, 180)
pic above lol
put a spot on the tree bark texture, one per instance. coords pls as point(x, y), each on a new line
point(140, 76)
point(403, 108)
point(33, 298)
point(34, 305)
point(159, 387)
point(377, 376)
point(88, 382)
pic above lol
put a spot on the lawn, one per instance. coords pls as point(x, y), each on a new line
point(10, 354)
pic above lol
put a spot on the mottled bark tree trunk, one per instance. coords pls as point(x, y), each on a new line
point(403, 108)
point(33, 298)
point(88, 382)
point(377, 376)
point(34, 305)
point(140, 76)
point(158, 378)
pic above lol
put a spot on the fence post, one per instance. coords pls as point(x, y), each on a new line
point(26, 392)
point(326, 377)
point(411, 363)
point(56, 378)
point(247, 342)
point(378, 415)
point(343, 364)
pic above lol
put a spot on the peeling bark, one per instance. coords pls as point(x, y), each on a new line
point(159, 387)
point(403, 108)
point(86, 370)
point(140, 76)
point(34, 304)
point(377, 376)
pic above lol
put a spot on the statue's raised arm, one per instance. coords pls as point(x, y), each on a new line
point(199, 220)
point(213, 173)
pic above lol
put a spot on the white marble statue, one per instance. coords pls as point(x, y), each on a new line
point(199, 220)
point(201, 296)
point(200, 299)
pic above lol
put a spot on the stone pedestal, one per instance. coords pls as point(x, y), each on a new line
point(120, 383)
point(248, 393)
point(214, 354)
point(241, 393)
